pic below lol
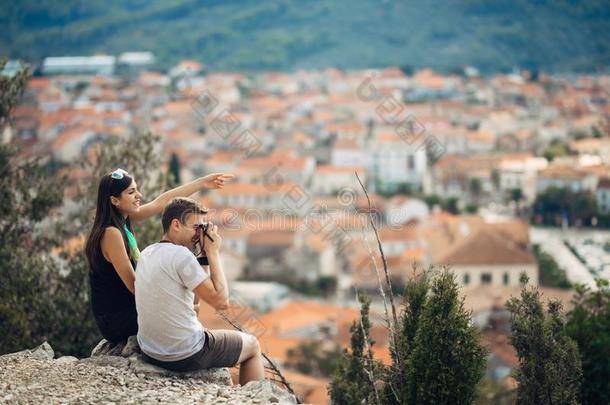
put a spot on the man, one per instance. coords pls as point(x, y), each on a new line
point(168, 278)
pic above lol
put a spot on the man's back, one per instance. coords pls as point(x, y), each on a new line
point(168, 326)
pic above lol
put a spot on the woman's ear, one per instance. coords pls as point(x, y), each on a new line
point(114, 201)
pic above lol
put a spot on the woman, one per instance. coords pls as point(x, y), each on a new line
point(112, 250)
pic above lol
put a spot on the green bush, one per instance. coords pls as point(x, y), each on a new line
point(589, 325)
point(549, 363)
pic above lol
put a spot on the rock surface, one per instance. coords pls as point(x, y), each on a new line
point(116, 375)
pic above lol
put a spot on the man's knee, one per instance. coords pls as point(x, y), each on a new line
point(251, 345)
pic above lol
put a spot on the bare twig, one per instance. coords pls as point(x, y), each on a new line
point(391, 325)
point(385, 263)
point(277, 371)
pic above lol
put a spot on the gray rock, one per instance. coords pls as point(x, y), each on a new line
point(43, 352)
point(220, 376)
point(66, 360)
point(268, 391)
point(101, 348)
point(113, 361)
point(139, 366)
point(106, 348)
point(131, 347)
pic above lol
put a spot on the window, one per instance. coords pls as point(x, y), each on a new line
point(410, 162)
point(505, 278)
point(466, 278)
point(486, 278)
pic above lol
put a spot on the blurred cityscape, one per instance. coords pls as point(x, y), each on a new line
point(463, 170)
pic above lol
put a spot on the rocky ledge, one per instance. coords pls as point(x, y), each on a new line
point(117, 374)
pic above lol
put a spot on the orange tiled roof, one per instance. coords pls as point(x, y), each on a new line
point(484, 297)
point(271, 238)
point(300, 314)
point(343, 127)
point(481, 136)
point(346, 143)
point(484, 247)
point(278, 347)
point(255, 189)
point(562, 171)
point(328, 169)
point(403, 234)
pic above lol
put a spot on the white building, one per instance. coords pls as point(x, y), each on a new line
point(520, 173)
point(392, 162)
point(137, 59)
point(329, 179)
point(564, 176)
point(347, 152)
point(95, 65)
point(489, 257)
point(262, 296)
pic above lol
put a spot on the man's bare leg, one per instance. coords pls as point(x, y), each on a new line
point(250, 360)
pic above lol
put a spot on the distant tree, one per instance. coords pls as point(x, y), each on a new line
point(516, 195)
point(407, 70)
point(549, 364)
point(174, 169)
point(495, 178)
point(550, 273)
point(27, 196)
point(313, 359)
point(432, 200)
point(451, 205)
point(472, 208)
point(555, 203)
point(475, 188)
point(11, 91)
point(356, 372)
point(588, 324)
point(555, 149)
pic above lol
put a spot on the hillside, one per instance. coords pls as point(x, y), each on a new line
point(557, 35)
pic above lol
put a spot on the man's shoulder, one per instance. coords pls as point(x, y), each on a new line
point(166, 251)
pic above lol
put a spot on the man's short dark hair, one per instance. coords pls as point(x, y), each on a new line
point(180, 208)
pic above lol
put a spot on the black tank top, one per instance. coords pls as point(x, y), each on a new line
point(109, 294)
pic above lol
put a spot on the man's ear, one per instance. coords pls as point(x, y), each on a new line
point(175, 224)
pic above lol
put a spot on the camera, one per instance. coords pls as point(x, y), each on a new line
point(204, 229)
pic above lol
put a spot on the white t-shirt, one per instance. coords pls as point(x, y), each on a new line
point(168, 328)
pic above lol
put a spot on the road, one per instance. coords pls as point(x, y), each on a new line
point(551, 242)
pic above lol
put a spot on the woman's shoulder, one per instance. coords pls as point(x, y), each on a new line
point(111, 233)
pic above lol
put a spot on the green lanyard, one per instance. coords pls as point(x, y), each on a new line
point(133, 245)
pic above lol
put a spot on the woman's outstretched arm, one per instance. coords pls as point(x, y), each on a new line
point(211, 181)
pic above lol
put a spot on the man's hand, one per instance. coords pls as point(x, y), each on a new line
point(215, 180)
point(209, 246)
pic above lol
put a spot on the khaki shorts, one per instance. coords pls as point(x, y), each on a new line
point(221, 349)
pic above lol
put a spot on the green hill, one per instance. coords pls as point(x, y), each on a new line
point(556, 35)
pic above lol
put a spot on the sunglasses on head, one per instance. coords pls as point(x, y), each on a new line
point(118, 174)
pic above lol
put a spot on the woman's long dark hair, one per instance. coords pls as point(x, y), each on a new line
point(106, 214)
